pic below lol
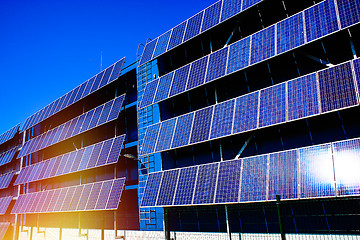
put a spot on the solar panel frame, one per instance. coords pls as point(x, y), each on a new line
point(206, 184)
point(167, 189)
point(202, 125)
point(152, 188)
point(211, 16)
point(217, 64)
point(197, 73)
point(262, 45)
point(223, 118)
point(182, 132)
point(163, 88)
point(193, 26)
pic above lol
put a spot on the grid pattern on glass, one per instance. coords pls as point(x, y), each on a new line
point(115, 150)
point(6, 157)
point(272, 105)
point(263, 45)
point(76, 198)
point(115, 193)
point(165, 135)
point(249, 3)
point(150, 139)
point(167, 188)
point(253, 181)
point(193, 26)
point(149, 93)
point(182, 130)
point(349, 11)
point(320, 20)
point(357, 72)
point(197, 73)
point(217, 64)
point(164, 87)
point(84, 197)
point(283, 179)
point(230, 8)
point(201, 127)
point(9, 134)
point(5, 180)
point(104, 195)
point(316, 172)
point(179, 80)
point(4, 204)
point(206, 183)
point(106, 76)
point(211, 16)
point(151, 189)
point(246, 112)
point(239, 55)
point(223, 119)
point(104, 152)
point(177, 35)
point(228, 183)
point(290, 33)
point(117, 70)
point(162, 43)
point(302, 97)
point(148, 51)
point(185, 186)
point(337, 88)
point(97, 82)
point(346, 163)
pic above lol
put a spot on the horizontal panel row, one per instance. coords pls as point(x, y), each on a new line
point(98, 81)
point(105, 113)
point(288, 101)
point(326, 170)
point(3, 228)
point(87, 197)
point(9, 134)
point(4, 204)
point(7, 156)
point(321, 19)
point(5, 180)
point(197, 24)
point(97, 155)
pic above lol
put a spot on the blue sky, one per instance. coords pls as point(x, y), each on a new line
point(48, 47)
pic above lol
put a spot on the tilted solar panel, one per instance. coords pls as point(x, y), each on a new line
point(167, 188)
point(349, 11)
point(4, 204)
point(211, 16)
point(9, 134)
point(206, 183)
point(193, 26)
point(151, 190)
point(162, 44)
point(222, 122)
point(165, 135)
point(201, 127)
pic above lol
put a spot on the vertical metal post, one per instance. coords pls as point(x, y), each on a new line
point(281, 223)
point(166, 225)
point(227, 222)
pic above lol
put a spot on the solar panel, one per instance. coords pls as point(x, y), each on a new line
point(60, 200)
point(223, 119)
point(193, 26)
point(162, 44)
point(253, 180)
point(283, 175)
point(149, 93)
point(356, 66)
point(104, 195)
point(67, 199)
point(51, 205)
point(272, 105)
point(205, 183)
point(64, 105)
point(96, 116)
point(150, 139)
point(105, 112)
point(246, 112)
point(3, 229)
point(302, 97)
point(180, 80)
point(62, 164)
point(211, 16)
point(71, 128)
point(182, 130)
point(76, 198)
point(239, 55)
point(217, 64)
point(177, 35)
point(4, 204)
point(104, 152)
point(148, 51)
point(78, 157)
point(163, 87)
point(106, 76)
point(90, 83)
point(115, 150)
point(69, 163)
point(201, 127)
point(185, 186)
point(7, 156)
point(337, 88)
point(249, 3)
point(167, 188)
point(346, 162)
point(44, 169)
point(316, 172)
point(9, 134)
point(5, 180)
point(94, 155)
point(84, 197)
point(228, 184)
point(87, 120)
point(349, 12)
point(47, 201)
point(117, 70)
point(290, 33)
point(151, 190)
point(116, 108)
point(165, 135)
point(79, 93)
point(262, 45)
point(197, 73)
point(115, 193)
point(78, 125)
point(230, 8)
point(85, 158)
point(57, 163)
point(320, 20)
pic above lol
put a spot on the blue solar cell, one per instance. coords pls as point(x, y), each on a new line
point(50, 138)
point(47, 201)
point(167, 188)
point(193, 26)
point(116, 108)
point(76, 198)
point(357, 72)
point(177, 35)
point(94, 195)
point(62, 164)
point(80, 92)
point(60, 200)
point(211, 16)
point(349, 12)
point(249, 3)
point(290, 33)
point(316, 172)
point(186, 185)
point(105, 113)
point(53, 201)
point(106, 76)
point(115, 149)
point(117, 70)
point(104, 195)
point(163, 87)
point(115, 193)
point(150, 139)
point(253, 180)
point(228, 184)
point(57, 134)
point(320, 20)
point(239, 55)
point(217, 64)
point(94, 155)
point(73, 95)
point(84, 197)
point(302, 97)
point(223, 119)
point(64, 131)
point(206, 183)
point(88, 117)
point(4, 203)
point(77, 159)
point(67, 199)
point(71, 128)
point(346, 163)
point(197, 73)
point(180, 80)
point(151, 190)
point(57, 164)
point(19, 202)
point(272, 105)
point(148, 51)
point(97, 81)
point(337, 88)
point(149, 93)
point(86, 157)
point(201, 127)
point(89, 84)
point(263, 45)
point(69, 163)
point(78, 125)
point(65, 102)
point(162, 44)
point(44, 169)
point(230, 8)
point(96, 116)
point(246, 112)
point(182, 130)
point(165, 135)
point(104, 152)
point(51, 167)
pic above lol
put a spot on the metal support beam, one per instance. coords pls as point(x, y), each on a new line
point(352, 45)
point(244, 146)
point(281, 222)
point(319, 60)
point(166, 224)
point(227, 222)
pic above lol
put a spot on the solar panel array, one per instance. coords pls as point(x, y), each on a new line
point(288, 101)
point(98, 81)
point(5, 180)
point(105, 113)
point(9, 134)
point(267, 43)
point(7, 156)
point(309, 172)
point(3, 228)
point(97, 155)
point(4, 204)
point(103, 195)
point(195, 25)
point(349, 12)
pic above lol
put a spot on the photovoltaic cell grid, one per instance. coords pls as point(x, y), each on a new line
point(162, 44)
point(239, 55)
point(167, 188)
point(163, 88)
point(185, 186)
point(249, 3)
point(101, 79)
point(223, 119)
point(151, 190)
point(165, 135)
point(197, 73)
point(4, 204)
point(74, 161)
point(6, 157)
point(349, 11)
point(5, 180)
point(205, 183)
point(177, 35)
point(193, 26)
point(9, 134)
point(246, 112)
point(230, 8)
point(179, 80)
point(217, 64)
point(211, 16)
point(3, 228)
point(66, 130)
point(148, 51)
point(149, 93)
point(106, 196)
point(150, 139)
point(201, 126)
point(228, 184)
point(263, 45)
